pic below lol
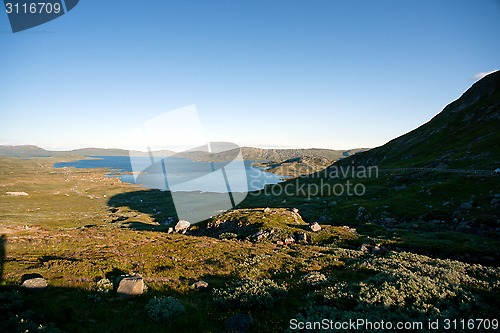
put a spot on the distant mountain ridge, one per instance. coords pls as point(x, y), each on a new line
point(249, 153)
point(34, 151)
point(465, 135)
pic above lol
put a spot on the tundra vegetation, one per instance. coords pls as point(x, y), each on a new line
point(418, 245)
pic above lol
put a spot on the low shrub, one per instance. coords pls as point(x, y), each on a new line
point(164, 308)
point(250, 294)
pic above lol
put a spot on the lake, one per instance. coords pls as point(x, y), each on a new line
point(181, 174)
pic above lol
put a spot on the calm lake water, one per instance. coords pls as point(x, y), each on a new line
point(180, 174)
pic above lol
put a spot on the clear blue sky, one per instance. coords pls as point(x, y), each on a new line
point(290, 73)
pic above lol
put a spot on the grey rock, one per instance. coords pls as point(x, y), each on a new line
point(260, 235)
point(295, 210)
point(200, 285)
point(289, 240)
point(182, 226)
point(267, 210)
point(239, 323)
point(323, 218)
point(332, 203)
point(315, 227)
point(131, 286)
point(170, 230)
point(35, 283)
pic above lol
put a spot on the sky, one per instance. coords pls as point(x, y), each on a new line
point(271, 73)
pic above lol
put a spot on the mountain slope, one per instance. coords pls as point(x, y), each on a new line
point(465, 135)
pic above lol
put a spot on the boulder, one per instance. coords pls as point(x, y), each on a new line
point(315, 227)
point(267, 210)
point(289, 240)
point(239, 323)
point(295, 210)
point(131, 286)
point(332, 203)
point(200, 285)
point(182, 226)
point(37, 283)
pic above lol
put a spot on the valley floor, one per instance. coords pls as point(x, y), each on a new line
point(76, 227)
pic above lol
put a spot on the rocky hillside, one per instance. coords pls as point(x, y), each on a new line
point(465, 135)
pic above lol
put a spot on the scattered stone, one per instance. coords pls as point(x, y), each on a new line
point(131, 286)
point(239, 323)
point(465, 206)
point(182, 226)
point(17, 194)
point(260, 235)
point(315, 227)
point(289, 240)
point(267, 210)
point(332, 203)
point(36, 283)
point(200, 285)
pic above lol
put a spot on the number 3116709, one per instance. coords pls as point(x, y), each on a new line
point(33, 8)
